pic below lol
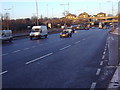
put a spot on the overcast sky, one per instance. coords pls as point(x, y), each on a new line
point(53, 8)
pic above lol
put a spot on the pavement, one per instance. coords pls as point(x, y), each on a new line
point(75, 62)
point(114, 51)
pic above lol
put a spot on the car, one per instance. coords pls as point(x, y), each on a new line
point(6, 35)
point(105, 27)
point(65, 34)
point(93, 27)
point(70, 30)
point(86, 28)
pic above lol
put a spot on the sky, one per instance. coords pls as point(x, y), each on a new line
point(53, 8)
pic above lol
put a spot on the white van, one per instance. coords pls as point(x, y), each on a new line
point(6, 35)
point(38, 32)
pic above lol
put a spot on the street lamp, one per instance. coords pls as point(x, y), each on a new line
point(64, 12)
point(7, 16)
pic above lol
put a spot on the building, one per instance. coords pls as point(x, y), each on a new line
point(83, 15)
point(70, 16)
point(101, 14)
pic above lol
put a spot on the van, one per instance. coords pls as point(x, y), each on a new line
point(38, 32)
point(6, 35)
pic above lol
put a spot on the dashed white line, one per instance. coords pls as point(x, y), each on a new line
point(83, 39)
point(104, 52)
point(101, 63)
point(33, 46)
point(93, 86)
point(65, 47)
point(77, 42)
point(16, 51)
point(103, 56)
point(26, 48)
point(3, 72)
point(4, 54)
point(98, 71)
point(112, 38)
point(105, 49)
point(38, 58)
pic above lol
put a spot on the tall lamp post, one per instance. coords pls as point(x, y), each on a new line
point(37, 12)
point(7, 16)
point(65, 12)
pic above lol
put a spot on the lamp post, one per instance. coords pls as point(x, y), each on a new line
point(37, 12)
point(7, 17)
point(65, 12)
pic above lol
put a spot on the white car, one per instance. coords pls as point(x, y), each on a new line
point(6, 35)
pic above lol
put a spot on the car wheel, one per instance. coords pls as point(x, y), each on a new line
point(30, 38)
point(10, 40)
point(45, 36)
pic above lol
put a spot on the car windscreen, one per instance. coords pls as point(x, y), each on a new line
point(36, 30)
point(65, 32)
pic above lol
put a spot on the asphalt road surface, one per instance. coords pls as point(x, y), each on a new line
point(55, 62)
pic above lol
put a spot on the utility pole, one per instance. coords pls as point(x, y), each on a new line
point(7, 16)
point(47, 10)
point(100, 6)
point(37, 12)
point(68, 7)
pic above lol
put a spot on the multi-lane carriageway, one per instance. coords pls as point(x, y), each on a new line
point(55, 62)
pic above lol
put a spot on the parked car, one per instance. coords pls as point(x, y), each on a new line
point(6, 35)
point(65, 34)
point(38, 32)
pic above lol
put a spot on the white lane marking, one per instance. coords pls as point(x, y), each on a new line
point(77, 42)
point(104, 52)
point(101, 63)
point(105, 49)
point(38, 58)
point(112, 38)
point(65, 47)
point(4, 54)
point(98, 71)
point(26, 48)
point(103, 56)
point(33, 46)
point(93, 86)
point(16, 51)
point(3, 72)
point(83, 39)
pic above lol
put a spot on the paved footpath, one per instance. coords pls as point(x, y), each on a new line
point(115, 81)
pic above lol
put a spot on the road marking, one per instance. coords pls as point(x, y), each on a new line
point(83, 39)
point(16, 51)
point(105, 49)
point(103, 56)
point(3, 72)
point(101, 63)
point(77, 42)
point(4, 54)
point(65, 47)
point(26, 48)
point(98, 71)
point(112, 38)
point(38, 58)
point(34, 46)
point(93, 86)
point(104, 52)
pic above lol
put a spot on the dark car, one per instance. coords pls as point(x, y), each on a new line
point(65, 34)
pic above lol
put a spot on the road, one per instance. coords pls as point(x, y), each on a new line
point(55, 62)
